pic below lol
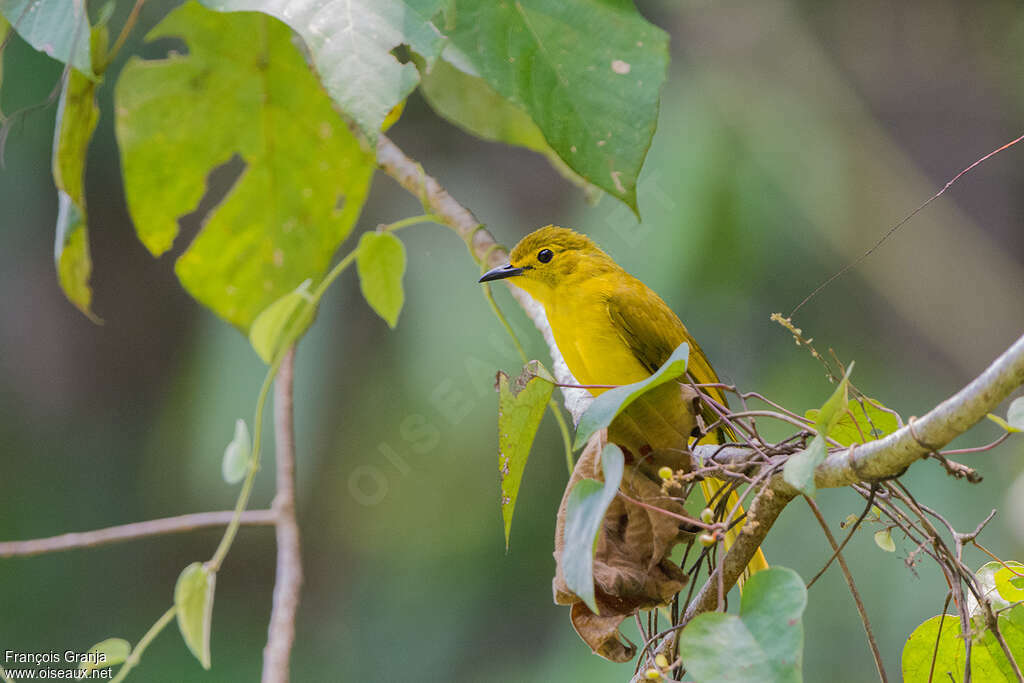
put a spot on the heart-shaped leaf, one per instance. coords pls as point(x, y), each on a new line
point(521, 405)
point(381, 265)
point(764, 643)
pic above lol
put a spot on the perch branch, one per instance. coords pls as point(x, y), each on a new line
point(288, 584)
point(130, 532)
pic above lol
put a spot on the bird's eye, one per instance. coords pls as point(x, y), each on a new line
point(545, 255)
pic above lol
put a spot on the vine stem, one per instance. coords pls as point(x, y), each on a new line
point(140, 647)
point(853, 589)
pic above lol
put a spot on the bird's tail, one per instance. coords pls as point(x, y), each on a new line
point(710, 488)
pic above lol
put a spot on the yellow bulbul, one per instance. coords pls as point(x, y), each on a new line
point(612, 329)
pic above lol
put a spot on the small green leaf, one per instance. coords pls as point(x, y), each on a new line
point(237, 455)
point(193, 598)
point(55, 27)
point(1014, 422)
point(1010, 582)
point(588, 501)
point(764, 643)
point(864, 420)
point(835, 407)
point(883, 539)
point(996, 582)
point(1015, 413)
point(77, 115)
point(109, 652)
point(799, 469)
point(521, 405)
point(1004, 424)
point(282, 321)
point(605, 407)
point(381, 265)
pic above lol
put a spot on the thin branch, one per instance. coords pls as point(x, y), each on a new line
point(130, 532)
point(288, 584)
point(856, 524)
point(853, 590)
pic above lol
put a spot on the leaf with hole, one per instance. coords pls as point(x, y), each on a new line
point(354, 46)
point(380, 261)
point(605, 407)
point(588, 501)
point(521, 405)
point(109, 652)
point(193, 601)
point(237, 455)
point(305, 178)
point(764, 643)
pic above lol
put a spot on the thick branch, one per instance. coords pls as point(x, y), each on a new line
point(482, 246)
point(129, 532)
point(885, 458)
point(288, 584)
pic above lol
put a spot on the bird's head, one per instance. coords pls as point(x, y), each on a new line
point(549, 258)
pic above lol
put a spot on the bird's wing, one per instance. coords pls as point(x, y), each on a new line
point(652, 332)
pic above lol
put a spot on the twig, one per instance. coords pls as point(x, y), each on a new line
point(853, 589)
point(867, 509)
point(288, 584)
point(130, 532)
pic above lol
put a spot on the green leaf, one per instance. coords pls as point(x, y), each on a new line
point(588, 72)
point(77, 115)
point(996, 580)
point(350, 44)
point(193, 599)
point(57, 28)
point(282, 322)
point(250, 88)
point(864, 420)
point(588, 501)
point(764, 643)
point(4, 29)
point(466, 100)
point(380, 262)
point(1014, 421)
point(521, 405)
point(883, 539)
point(109, 652)
point(238, 454)
point(988, 661)
point(605, 407)
point(799, 469)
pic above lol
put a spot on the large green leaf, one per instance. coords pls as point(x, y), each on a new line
point(605, 407)
point(588, 72)
point(469, 102)
point(521, 405)
point(77, 115)
point(59, 28)
point(193, 600)
point(764, 643)
point(351, 43)
point(864, 420)
point(584, 512)
point(244, 89)
point(380, 262)
point(946, 647)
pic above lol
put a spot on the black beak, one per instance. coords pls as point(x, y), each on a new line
point(501, 272)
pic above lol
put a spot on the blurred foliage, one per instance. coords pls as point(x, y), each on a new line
point(791, 135)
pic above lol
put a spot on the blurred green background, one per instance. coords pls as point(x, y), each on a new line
point(792, 136)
